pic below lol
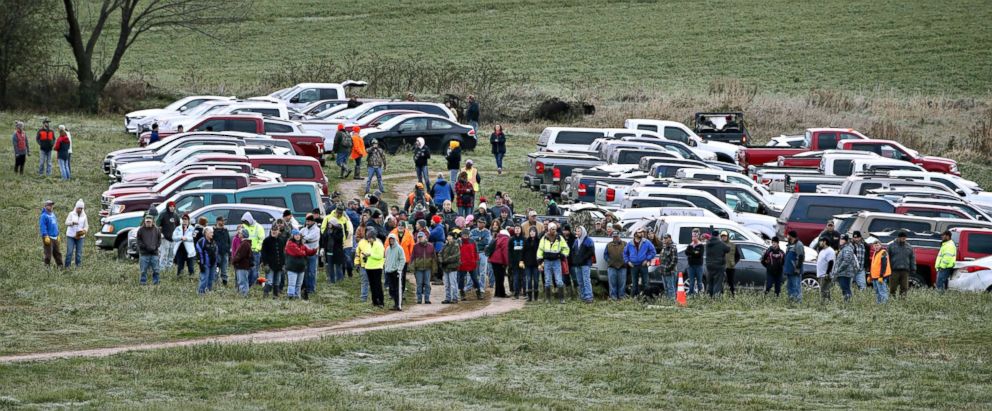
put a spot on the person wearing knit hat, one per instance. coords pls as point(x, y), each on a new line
point(357, 150)
point(76, 227)
point(341, 145)
point(453, 156)
point(168, 220)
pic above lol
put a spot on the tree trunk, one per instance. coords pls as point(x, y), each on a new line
point(89, 94)
point(3, 92)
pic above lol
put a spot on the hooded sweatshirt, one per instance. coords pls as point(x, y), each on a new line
point(442, 191)
point(395, 258)
point(81, 223)
point(583, 249)
point(255, 232)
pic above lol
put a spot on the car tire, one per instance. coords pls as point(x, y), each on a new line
point(391, 146)
point(810, 282)
point(916, 280)
point(122, 250)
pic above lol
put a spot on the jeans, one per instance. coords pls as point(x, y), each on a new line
point(148, 262)
point(342, 160)
point(349, 260)
point(474, 275)
point(242, 278)
point(671, 285)
point(358, 165)
point(165, 251)
point(881, 291)
point(617, 278)
point(695, 280)
point(716, 278)
point(335, 272)
point(223, 259)
point(453, 175)
point(64, 169)
point(519, 280)
point(377, 172)
point(464, 211)
point(310, 278)
point(794, 287)
point(73, 248)
point(293, 279)
point(423, 176)
point(499, 160)
point(638, 271)
point(45, 162)
point(581, 274)
point(365, 284)
point(826, 283)
point(19, 160)
point(552, 271)
point(276, 279)
point(423, 278)
point(483, 270)
point(451, 286)
point(773, 280)
point(207, 278)
point(188, 263)
point(395, 281)
point(845, 287)
point(532, 279)
point(861, 280)
point(475, 125)
point(253, 271)
point(943, 275)
point(731, 280)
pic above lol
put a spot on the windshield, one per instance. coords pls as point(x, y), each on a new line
point(178, 103)
point(211, 109)
point(742, 201)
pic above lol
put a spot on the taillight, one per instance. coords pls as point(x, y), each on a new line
point(795, 188)
point(539, 167)
point(754, 177)
point(611, 194)
point(766, 181)
point(974, 268)
point(471, 133)
point(556, 174)
point(583, 189)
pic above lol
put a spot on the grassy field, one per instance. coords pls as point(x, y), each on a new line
point(780, 45)
point(927, 352)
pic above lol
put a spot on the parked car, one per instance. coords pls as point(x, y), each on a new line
point(304, 143)
point(808, 214)
point(967, 189)
point(894, 150)
point(972, 275)
point(132, 120)
point(676, 131)
point(403, 131)
point(120, 172)
point(814, 139)
point(724, 127)
point(188, 140)
point(140, 198)
point(546, 171)
point(303, 94)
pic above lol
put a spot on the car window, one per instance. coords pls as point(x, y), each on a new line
point(891, 224)
point(577, 137)
point(218, 199)
point(750, 252)
point(818, 213)
point(866, 187)
point(189, 203)
point(301, 172)
point(743, 200)
point(246, 126)
point(277, 128)
point(198, 184)
point(843, 168)
point(703, 202)
point(262, 217)
point(980, 243)
point(269, 201)
point(849, 136)
point(212, 125)
point(647, 127)
point(301, 202)
point(676, 134)
point(441, 125)
point(413, 124)
point(227, 182)
point(685, 233)
point(212, 215)
point(271, 112)
point(276, 168)
point(308, 96)
point(827, 141)
point(328, 94)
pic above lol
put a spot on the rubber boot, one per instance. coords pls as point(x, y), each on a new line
point(571, 292)
point(561, 296)
point(357, 175)
point(530, 296)
point(547, 294)
point(478, 294)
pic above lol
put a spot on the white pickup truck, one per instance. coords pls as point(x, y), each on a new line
point(674, 130)
point(761, 224)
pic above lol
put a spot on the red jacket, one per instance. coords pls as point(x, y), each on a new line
point(501, 255)
point(470, 257)
point(465, 194)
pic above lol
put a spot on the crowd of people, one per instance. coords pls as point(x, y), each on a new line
point(48, 142)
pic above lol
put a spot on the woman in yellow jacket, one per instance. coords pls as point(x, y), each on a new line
point(374, 262)
point(362, 249)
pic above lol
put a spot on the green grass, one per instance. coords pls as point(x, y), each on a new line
point(927, 352)
point(779, 45)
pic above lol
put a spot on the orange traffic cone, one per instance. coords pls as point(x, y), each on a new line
point(680, 294)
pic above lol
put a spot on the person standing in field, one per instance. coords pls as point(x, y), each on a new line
point(76, 227)
point(499, 259)
point(902, 258)
point(773, 260)
point(333, 240)
point(795, 255)
point(732, 257)
point(377, 164)
point(149, 243)
point(532, 273)
point(824, 266)
point(638, 255)
point(424, 263)
point(845, 266)
point(716, 264)
point(472, 174)
point(46, 141)
point(62, 148)
point(421, 155)
point(223, 239)
point(21, 148)
point(669, 258)
point(274, 257)
point(498, 142)
point(357, 150)
point(582, 252)
point(207, 249)
point(469, 265)
point(616, 267)
point(311, 239)
point(374, 262)
point(342, 150)
point(550, 252)
point(946, 258)
point(184, 247)
point(297, 254)
point(694, 253)
point(860, 257)
point(395, 261)
point(472, 113)
point(450, 259)
point(454, 159)
point(167, 223)
point(49, 228)
point(880, 270)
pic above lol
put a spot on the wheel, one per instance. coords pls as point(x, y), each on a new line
point(122, 250)
point(810, 283)
point(916, 280)
point(391, 147)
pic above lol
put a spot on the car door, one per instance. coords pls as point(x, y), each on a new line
point(749, 272)
point(440, 131)
point(408, 131)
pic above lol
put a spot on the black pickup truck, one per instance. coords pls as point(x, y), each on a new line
point(546, 171)
point(723, 127)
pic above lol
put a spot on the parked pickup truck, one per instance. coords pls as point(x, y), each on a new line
point(807, 214)
point(581, 185)
point(193, 139)
point(140, 198)
point(862, 185)
point(724, 127)
point(812, 159)
point(546, 171)
point(973, 243)
point(299, 198)
point(304, 143)
point(815, 139)
point(896, 151)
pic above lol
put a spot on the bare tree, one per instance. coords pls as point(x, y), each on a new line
point(24, 27)
point(134, 18)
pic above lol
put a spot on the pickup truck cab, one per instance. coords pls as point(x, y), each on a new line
point(967, 189)
point(581, 185)
point(739, 198)
point(150, 179)
point(893, 150)
point(134, 121)
point(121, 201)
point(841, 163)
point(276, 110)
point(303, 142)
point(972, 243)
point(876, 165)
point(634, 155)
point(676, 131)
point(724, 127)
point(299, 198)
point(691, 153)
point(775, 200)
point(303, 94)
point(863, 184)
point(934, 211)
point(546, 171)
point(808, 214)
point(814, 139)
point(183, 141)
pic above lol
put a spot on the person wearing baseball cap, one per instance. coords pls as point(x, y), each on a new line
point(342, 149)
point(424, 262)
point(49, 227)
point(377, 164)
point(902, 257)
point(168, 220)
point(616, 268)
point(845, 266)
point(669, 258)
point(149, 240)
point(860, 254)
point(795, 255)
point(46, 142)
point(437, 236)
point(357, 150)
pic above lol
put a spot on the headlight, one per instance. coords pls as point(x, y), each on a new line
point(108, 228)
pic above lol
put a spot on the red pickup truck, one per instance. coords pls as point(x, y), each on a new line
point(304, 143)
point(894, 150)
point(815, 139)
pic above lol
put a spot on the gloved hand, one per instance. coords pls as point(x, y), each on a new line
point(521, 264)
point(47, 240)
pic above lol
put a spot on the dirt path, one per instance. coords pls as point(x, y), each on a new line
point(415, 315)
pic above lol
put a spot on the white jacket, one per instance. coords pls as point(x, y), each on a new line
point(74, 223)
point(184, 237)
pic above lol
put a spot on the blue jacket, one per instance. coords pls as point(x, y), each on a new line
point(636, 256)
point(481, 238)
point(47, 224)
point(437, 237)
point(354, 217)
point(442, 191)
point(207, 253)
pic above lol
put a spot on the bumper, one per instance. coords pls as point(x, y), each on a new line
point(550, 188)
point(105, 240)
point(531, 182)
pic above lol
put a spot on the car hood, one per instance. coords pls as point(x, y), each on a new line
point(704, 154)
point(934, 159)
point(139, 166)
point(120, 192)
point(145, 113)
point(118, 218)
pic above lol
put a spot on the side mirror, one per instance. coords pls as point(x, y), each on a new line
point(692, 143)
point(182, 109)
point(961, 192)
point(295, 99)
point(723, 214)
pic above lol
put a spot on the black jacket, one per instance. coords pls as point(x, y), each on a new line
point(498, 142)
point(583, 254)
point(223, 240)
point(694, 253)
point(716, 252)
point(472, 112)
point(530, 251)
point(421, 155)
point(454, 158)
point(273, 253)
point(168, 221)
point(516, 250)
point(333, 243)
